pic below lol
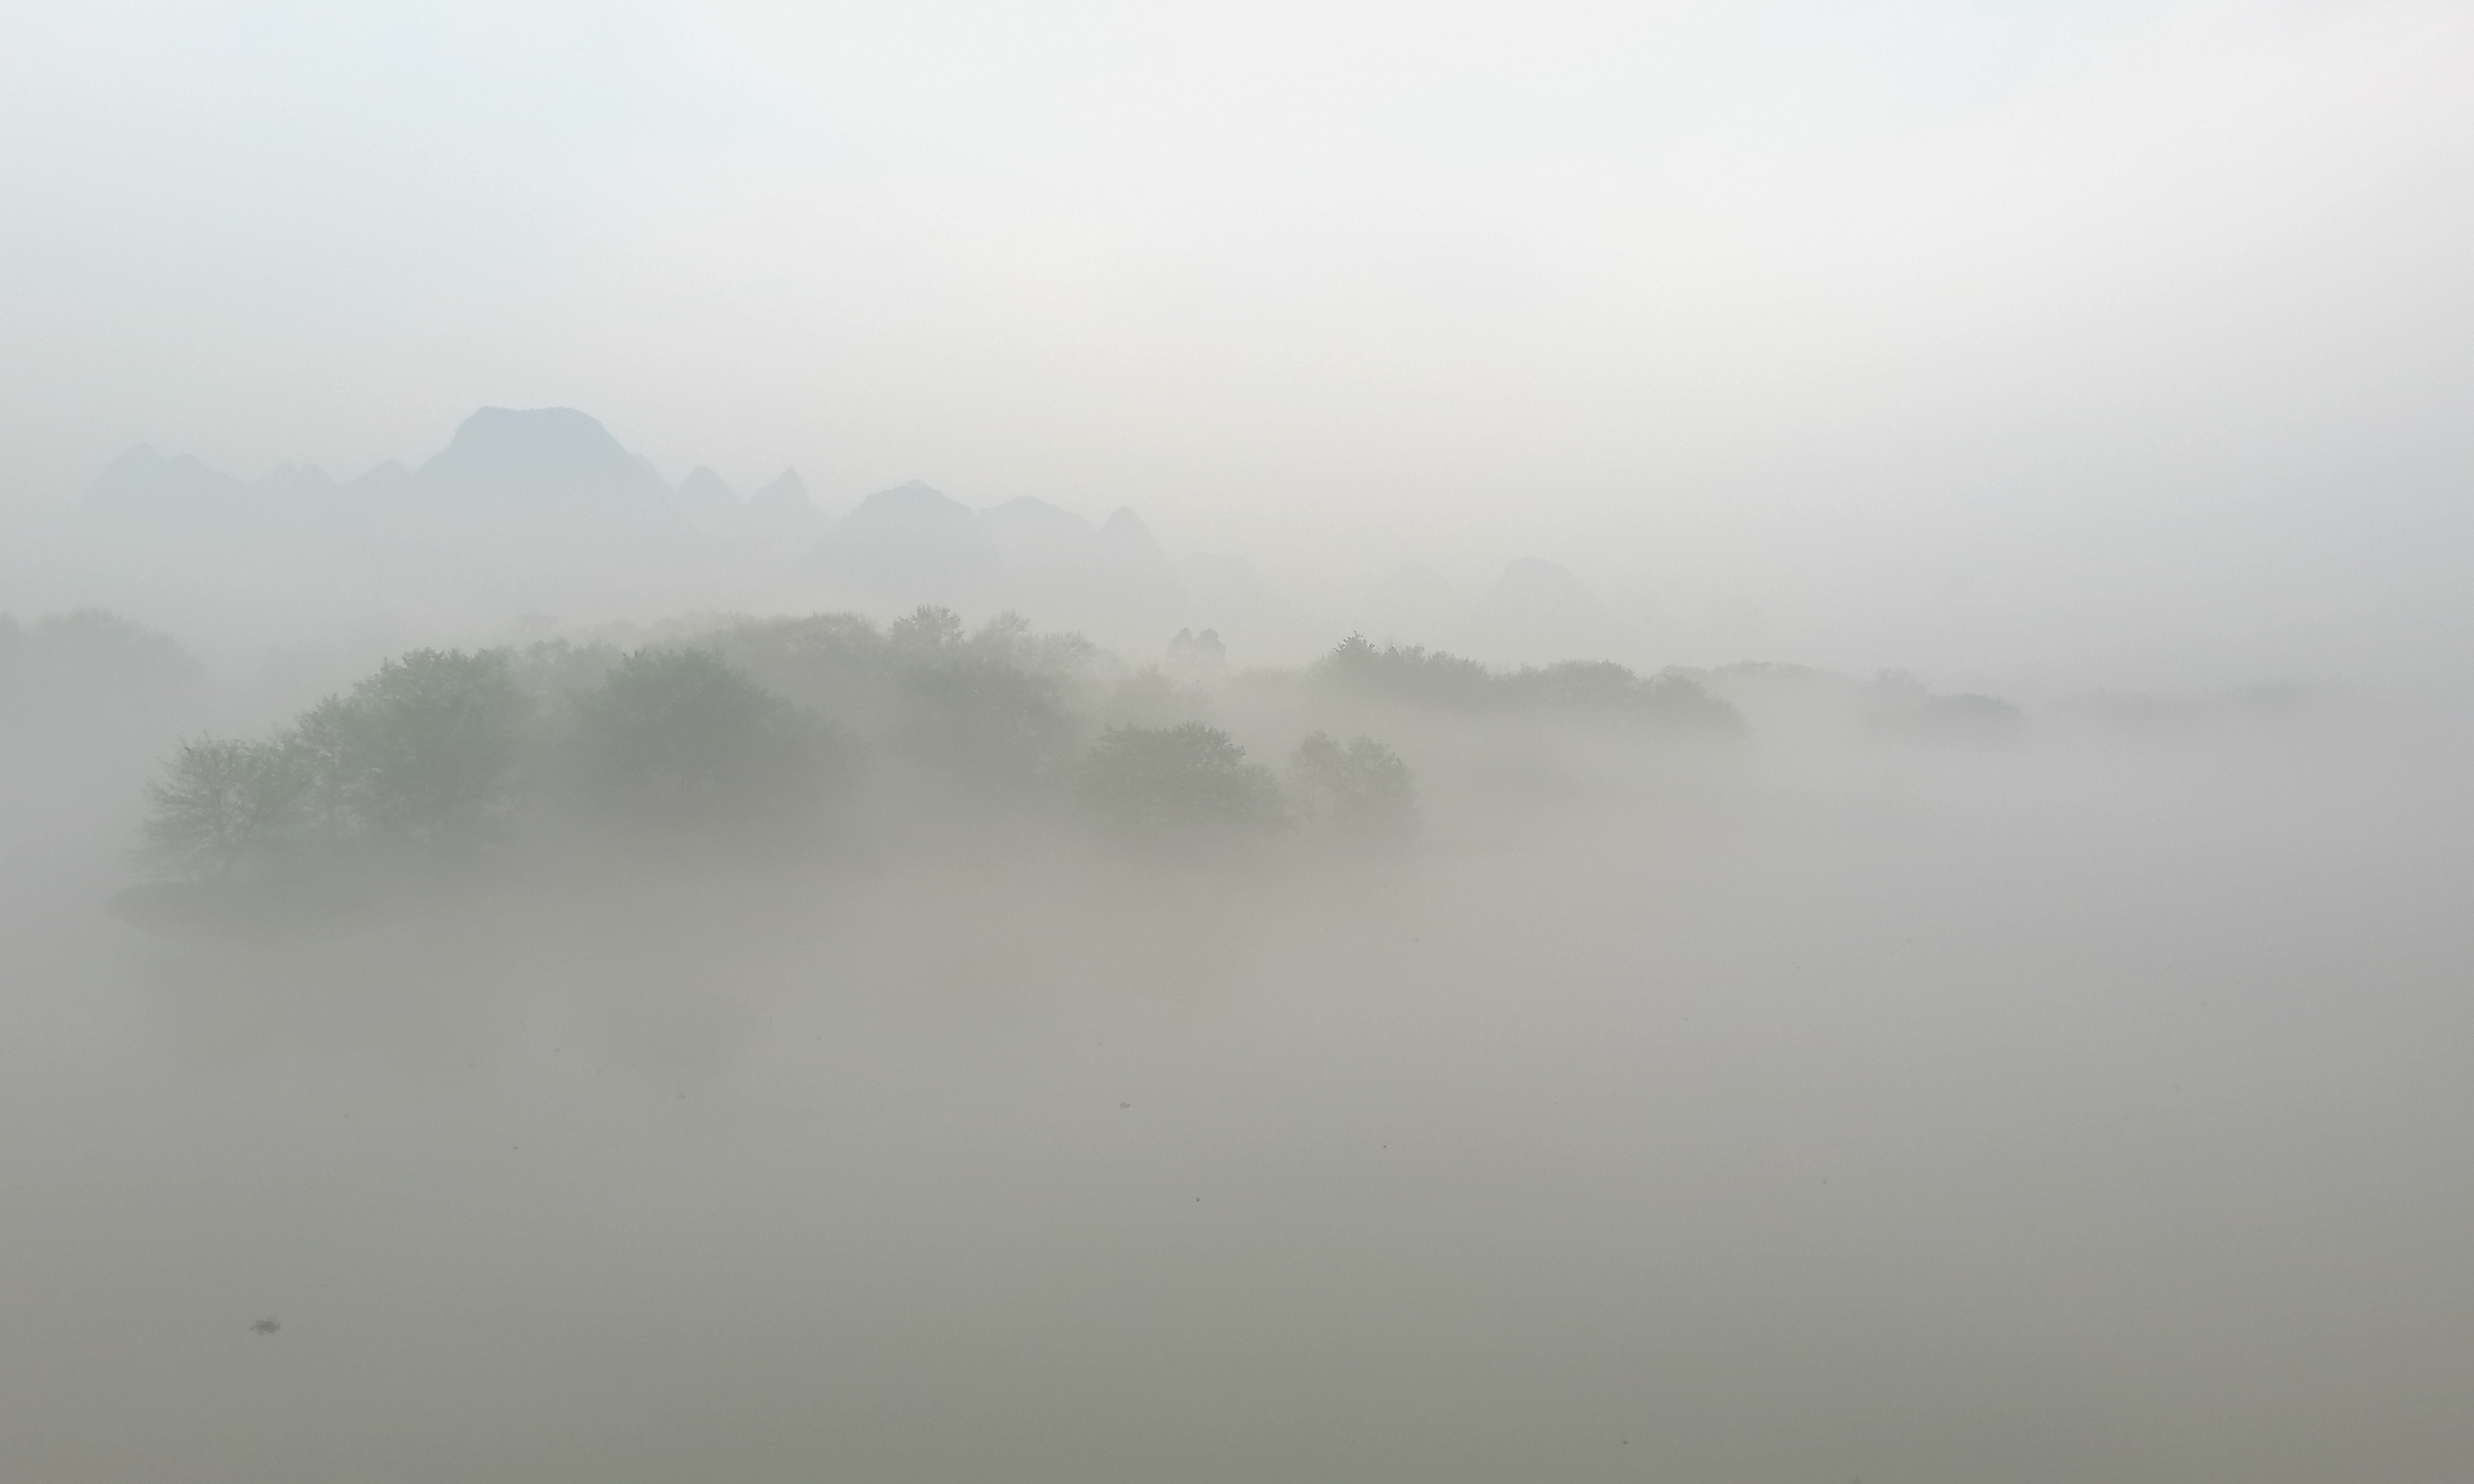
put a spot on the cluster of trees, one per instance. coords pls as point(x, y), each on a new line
point(87, 654)
point(1893, 701)
point(758, 736)
point(421, 757)
point(1416, 676)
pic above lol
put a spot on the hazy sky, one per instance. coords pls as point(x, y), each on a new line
point(2149, 309)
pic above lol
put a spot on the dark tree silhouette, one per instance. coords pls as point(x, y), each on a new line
point(985, 720)
point(679, 741)
point(1428, 678)
point(430, 751)
point(1176, 785)
point(221, 804)
point(1359, 791)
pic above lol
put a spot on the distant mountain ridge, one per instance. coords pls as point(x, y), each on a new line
point(523, 510)
point(544, 510)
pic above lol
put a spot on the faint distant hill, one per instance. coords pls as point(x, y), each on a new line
point(502, 469)
point(1808, 700)
point(914, 543)
point(710, 504)
point(1111, 581)
point(143, 485)
point(541, 448)
point(547, 473)
point(1231, 597)
point(542, 513)
point(908, 546)
point(521, 509)
point(1416, 605)
point(1536, 612)
point(782, 517)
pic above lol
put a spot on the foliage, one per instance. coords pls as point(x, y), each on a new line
point(1681, 700)
point(1899, 701)
point(328, 751)
point(1152, 697)
point(221, 802)
point(984, 720)
point(1360, 790)
point(435, 739)
point(844, 667)
point(1414, 675)
point(89, 653)
point(441, 754)
point(554, 673)
point(1431, 680)
point(926, 633)
point(680, 741)
point(1176, 785)
point(993, 707)
point(1574, 686)
point(419, 755)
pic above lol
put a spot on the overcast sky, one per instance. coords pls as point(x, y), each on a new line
point(2152, 310)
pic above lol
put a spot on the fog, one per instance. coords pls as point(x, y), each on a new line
point(2141, 323)
point(748, 743)
point(1832, 1080)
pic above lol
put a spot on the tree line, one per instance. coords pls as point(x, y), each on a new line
point(1414, 675)
point(773, 737)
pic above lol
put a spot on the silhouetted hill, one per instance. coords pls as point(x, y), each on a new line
point(1111, 581)
point(909, 544)
point(544, 510)
point(543, 446)
point(781, 515)
point(710, 504)
point(1537, 611)
point(1031, 534)
point(521, 509)
point(1414, 605)
point(143, 484)
point(545, 473)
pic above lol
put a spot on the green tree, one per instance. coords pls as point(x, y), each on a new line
point(985, 720)
point(1176, 785)
point(1414, 675)
point(430, 746)
point(219, 804)
point(328, 748)
point(679, 741)
point(927, 631)
point(1360, 790)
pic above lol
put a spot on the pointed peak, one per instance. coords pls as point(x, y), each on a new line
point(783, 511)
point(136, 459)
point(142, 475)
point(787, 483)
point(701, 479)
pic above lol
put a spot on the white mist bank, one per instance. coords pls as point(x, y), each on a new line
point(1832, 1106)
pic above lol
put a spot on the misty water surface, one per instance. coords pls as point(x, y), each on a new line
point(2090, 1109)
